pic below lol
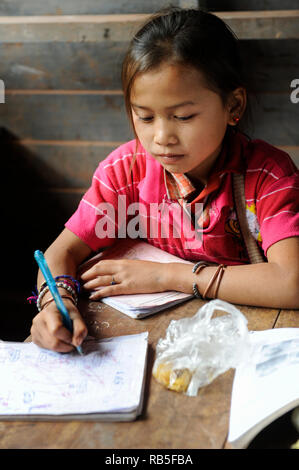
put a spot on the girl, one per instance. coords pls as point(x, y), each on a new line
point(185, 95)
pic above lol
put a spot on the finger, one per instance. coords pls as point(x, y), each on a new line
point(79, 328)
point(117, 289)
point(99, 281)
point(103, 267)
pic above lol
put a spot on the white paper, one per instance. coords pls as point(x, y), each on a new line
point(267, 386)
point(139, 305)
point(107, 378)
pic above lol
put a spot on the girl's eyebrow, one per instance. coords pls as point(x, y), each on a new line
point(178, 105)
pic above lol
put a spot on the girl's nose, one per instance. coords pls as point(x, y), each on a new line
point(164, 134)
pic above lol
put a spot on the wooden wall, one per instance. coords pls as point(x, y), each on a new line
point(250, 5)
point(64, 110)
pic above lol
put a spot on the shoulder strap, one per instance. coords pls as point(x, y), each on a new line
point(240, 203)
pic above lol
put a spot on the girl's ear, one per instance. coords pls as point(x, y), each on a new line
point(236, 105)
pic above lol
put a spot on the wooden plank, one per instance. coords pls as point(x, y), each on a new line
point(278, 24)
point(44, 159)
point(270, 65)
point(79, 163)
point(76, 28)
point(186, 3)
point(293, 152)
point(56, 65)
point(259, 318)
point(288, 319)
point(40, 162)
point(274, 119)
point(67, 115)
point(77, 7)
point(236, 5)
point(80, 160)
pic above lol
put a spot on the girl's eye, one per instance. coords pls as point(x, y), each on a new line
point(184, 118)
point(145, 119)
point(179, 118)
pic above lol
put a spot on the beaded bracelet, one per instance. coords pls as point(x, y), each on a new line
point(67, 279)
point(196, 269)
point(196, 292)
point(198, 266)
point(70, 280)
point(58, 284)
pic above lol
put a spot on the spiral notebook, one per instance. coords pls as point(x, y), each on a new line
point(105, 384)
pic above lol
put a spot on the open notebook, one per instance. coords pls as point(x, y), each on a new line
point(266, 386)
point(140, 305)
point(106, 383)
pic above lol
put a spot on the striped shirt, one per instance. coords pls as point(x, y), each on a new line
point(189, 222)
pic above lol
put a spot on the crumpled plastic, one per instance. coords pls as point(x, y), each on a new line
point(196, 350)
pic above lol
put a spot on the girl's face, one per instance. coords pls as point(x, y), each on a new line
point(179, 121)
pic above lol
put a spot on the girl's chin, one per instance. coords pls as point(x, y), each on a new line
point(176, 166)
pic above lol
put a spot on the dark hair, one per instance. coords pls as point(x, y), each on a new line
point(192, 37)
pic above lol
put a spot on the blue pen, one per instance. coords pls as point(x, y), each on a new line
point(67, 321)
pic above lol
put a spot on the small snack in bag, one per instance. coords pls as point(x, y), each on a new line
point(196, 350)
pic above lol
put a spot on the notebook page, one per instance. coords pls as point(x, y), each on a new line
point(146, 300)
point(135, 249)
point(108, 378)
point(265, 385)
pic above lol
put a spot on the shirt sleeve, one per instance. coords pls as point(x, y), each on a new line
point(277, 208)
point(101, 214)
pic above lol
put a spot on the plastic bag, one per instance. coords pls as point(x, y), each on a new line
point(196, 350)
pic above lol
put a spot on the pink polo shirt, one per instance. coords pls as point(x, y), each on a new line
point(152, 204)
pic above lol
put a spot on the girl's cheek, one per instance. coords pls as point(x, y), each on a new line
point(144, 134)
point(139, 129)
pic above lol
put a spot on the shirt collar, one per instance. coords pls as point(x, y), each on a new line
point(179, 186)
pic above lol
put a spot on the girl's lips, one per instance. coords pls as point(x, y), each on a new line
point(170, 158)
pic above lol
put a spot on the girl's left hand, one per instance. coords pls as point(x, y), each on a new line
point(125, 277)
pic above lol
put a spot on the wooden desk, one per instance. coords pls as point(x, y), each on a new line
point(169, 420)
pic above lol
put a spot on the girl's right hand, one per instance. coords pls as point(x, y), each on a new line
point(48, 331)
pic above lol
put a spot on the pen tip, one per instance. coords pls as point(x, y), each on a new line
point(79, 349)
